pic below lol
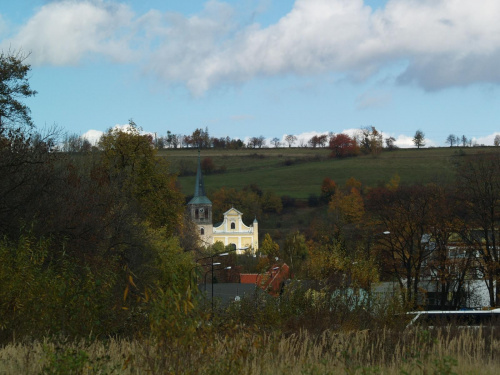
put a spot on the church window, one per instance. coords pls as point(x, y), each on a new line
point(202, 231)
point(206, 214)
point(233, 225)
point(196, 214)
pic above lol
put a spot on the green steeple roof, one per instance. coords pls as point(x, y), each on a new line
point(199, 189)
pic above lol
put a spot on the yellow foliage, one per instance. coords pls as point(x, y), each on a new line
point(393, 183)
point(353, 183)
point(350, 208)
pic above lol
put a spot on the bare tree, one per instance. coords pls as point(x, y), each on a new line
point(451, 140)
point(465, 141)
point(262, 141)
point(276, 142)
point(252, 142)
point(290, 139)
point(479, 181)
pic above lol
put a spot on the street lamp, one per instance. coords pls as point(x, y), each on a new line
point(212, 283)
point(212, 264)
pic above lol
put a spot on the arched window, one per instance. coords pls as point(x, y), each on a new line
point(206, 213)
point(233, 225)
point(202, 231)
point(196, 214)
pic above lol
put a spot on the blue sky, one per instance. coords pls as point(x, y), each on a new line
point(247, 68)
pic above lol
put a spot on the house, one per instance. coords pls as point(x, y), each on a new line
point(232, 230)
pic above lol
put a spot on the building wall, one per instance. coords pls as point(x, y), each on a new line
point(207, 236)
point(234, 231)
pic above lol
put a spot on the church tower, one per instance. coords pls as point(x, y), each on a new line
point(200, 209)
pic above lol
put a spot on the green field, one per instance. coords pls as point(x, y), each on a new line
point(298, 172)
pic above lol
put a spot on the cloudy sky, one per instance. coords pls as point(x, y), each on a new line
point(263, 67)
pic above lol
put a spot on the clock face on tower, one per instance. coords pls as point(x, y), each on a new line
point(202, 210)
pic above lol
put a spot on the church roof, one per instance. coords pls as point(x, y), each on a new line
point(199, 189)
point(234, 210)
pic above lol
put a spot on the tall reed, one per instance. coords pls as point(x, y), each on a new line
point(248, 351)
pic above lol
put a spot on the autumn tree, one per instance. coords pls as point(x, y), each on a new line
point(131, 162)
point(343, 146)
point(348, 206)
point(328, 188)
point(269, 247)
point(419, 139)
point(318, 140)
point(393, 183)
point(370, 140)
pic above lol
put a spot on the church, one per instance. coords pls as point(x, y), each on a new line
point(232, 230)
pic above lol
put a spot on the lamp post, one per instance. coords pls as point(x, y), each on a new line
point(212, 264)
point(212, 283)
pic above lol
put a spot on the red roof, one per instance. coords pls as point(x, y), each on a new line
point(248, 278)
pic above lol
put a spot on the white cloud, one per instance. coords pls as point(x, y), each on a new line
point(65, 32)
point(487, 140)
point(92, 136)
point(441, 43)
point(444, 42)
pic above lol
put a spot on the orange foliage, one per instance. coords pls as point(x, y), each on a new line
point(342, 146)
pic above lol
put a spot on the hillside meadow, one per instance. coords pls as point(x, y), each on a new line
point(298, 172)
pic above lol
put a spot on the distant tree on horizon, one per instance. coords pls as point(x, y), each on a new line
point(451, 140)
point(276, 142)
point(290, 139)
point(419, 139)
point(390, 143)
point(496, 141)
point(342, 146)
point(464, 141)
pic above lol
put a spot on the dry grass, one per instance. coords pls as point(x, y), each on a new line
point(358, 352)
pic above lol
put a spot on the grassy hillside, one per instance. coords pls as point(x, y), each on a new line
point(298, 172)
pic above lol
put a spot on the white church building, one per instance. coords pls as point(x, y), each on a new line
point(232, 230)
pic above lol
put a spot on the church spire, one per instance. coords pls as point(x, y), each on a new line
point(199, 188)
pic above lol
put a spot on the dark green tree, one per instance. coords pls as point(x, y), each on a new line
point(419, 139)
point(14, 85)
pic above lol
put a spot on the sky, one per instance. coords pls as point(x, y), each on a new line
point(245, 68)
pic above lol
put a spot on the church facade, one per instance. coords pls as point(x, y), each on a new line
point(232, 230)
